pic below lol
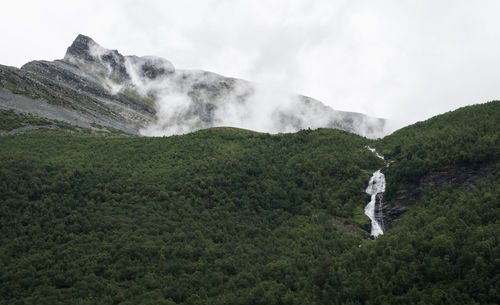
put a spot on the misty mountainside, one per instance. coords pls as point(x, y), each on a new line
point(100, 88)
point(232, 216)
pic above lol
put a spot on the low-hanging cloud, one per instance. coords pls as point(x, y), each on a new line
point(403, 60)
point(188, 100)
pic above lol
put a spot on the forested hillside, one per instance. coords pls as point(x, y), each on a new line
point(468, 136)
point(445, 250)
point(220, 216)
point(229, 216)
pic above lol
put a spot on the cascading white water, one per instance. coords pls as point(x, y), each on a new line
point(375, 152)
point(375, 186)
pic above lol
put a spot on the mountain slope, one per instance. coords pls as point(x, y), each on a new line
point(148, 96)
point(230, 216)
point(217, 216)
point(445, 174)
point(468, 136)
point(443, 251)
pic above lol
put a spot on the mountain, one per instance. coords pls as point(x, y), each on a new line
point(231, 216)
point(100, 88)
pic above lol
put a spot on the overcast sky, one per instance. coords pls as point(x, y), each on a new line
point(403, 60)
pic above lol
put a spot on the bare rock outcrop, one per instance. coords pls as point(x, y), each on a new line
point(455, 175)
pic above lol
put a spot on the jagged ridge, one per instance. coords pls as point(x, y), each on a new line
point(147, 95)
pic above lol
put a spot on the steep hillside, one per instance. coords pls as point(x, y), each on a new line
point(444, 250)
point(469, 136)
point(231, 216)
point(147, 95)
point(218, 216)
point(12, 123)
point(445, 174)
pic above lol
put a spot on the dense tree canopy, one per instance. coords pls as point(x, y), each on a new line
point(220, 215)
point(229, 216)
point(469, 136)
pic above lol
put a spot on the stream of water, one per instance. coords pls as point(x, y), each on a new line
point(376, 186)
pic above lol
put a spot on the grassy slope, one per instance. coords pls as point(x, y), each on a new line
point(12, 122)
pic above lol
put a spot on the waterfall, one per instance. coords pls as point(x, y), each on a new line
point(373, 209)
point(375, 152)
point(375, 187)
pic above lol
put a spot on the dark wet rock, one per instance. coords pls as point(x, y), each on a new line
point(379, 210)
point(454, 175)
point(390, 214)
point(466, 176)
point(366, 227)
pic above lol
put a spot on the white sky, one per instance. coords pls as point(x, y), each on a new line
point(404, 60)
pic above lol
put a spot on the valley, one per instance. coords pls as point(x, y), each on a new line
point(124, 180)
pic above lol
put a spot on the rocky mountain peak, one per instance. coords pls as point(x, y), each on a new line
point(85, 48)
point(80, 48)
point(93, 58)
point(147, 95)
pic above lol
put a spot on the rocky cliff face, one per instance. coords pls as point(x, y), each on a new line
point(455, 175)
point(148, 96)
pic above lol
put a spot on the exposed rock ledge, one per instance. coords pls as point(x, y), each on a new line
point(466, 176)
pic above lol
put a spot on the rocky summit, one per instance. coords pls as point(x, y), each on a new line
point(98, 88)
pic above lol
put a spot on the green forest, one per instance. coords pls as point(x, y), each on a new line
point(230, 216)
